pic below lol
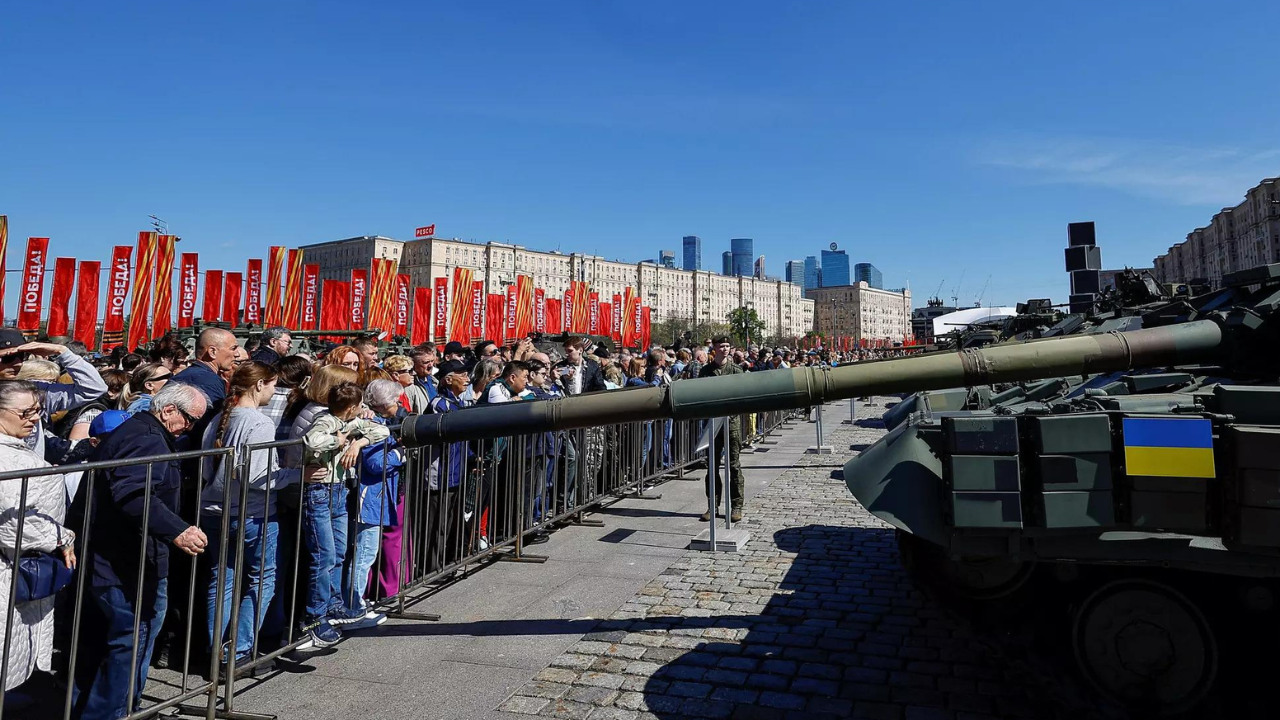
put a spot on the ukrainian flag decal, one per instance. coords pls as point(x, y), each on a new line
point(1168, 447)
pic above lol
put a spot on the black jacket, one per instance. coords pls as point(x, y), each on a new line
point(592, 378)
point(266, 355)
point(119, 496)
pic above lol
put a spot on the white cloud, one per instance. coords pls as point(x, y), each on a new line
point(1216, 176)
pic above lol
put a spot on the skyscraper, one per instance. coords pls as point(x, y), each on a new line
point(692, 252)
point(835, 268)
point(869, 274)
point(812, 273)
point(727, 259)
point(760, 267)
point(667, 258)
point(795, 272)
point(743, 254)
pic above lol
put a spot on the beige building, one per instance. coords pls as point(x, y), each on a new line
point(1237, 238)
point(696, 295)
point(861, 312)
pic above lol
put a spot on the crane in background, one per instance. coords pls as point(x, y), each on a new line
point(982, 292)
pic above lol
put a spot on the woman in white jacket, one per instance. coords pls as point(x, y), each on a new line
point(31, 633)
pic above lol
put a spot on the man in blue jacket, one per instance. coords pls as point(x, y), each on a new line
point(124, 524)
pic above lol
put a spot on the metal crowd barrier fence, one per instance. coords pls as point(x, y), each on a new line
point(417, 517)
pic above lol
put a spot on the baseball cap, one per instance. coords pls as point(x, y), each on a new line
point(11, 338)
point(454, 348)
point(450, 366)
point(107, 421)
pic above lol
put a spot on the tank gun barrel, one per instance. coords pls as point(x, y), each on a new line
point(803, 387)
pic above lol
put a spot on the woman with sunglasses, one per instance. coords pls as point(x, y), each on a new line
point(145, 382)
point(42, 502)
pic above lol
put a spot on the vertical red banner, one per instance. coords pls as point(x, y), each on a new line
point(644, 328)
point(440, 311)
point(310, 289)
point(581, 307)
point(142, 276)
point(212, 296)
point(606, 320)
point(275, 277)
point(253, 292)
point(188, 287)
point(509, 322)
point(566, 310)
point(359, 293)
point(524, 305)
point(421, 325)
point(593, 314)
point(540, 310)
point(402, 304)
point(630, 311)
point(637, 326)
point(293, 292)
point(64, 282)
point(162, 318)
point(555, 326)
point(477, 309)
point(615, 324)
point(31, 294)
point(460, 321)
point(4, 251)
point(117, 291)
point(495, 308)
point(87, 303)
point(232, 289)
point(335, 308)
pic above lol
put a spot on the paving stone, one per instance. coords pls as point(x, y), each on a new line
point(598, 679)
point(592, 695)
point(611, 713)
point(787, 701)
point(557, 675)
point(524, 705)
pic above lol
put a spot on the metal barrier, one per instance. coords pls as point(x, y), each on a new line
point(440, 509)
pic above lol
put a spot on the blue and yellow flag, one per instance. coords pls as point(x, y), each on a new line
point(1168, 447)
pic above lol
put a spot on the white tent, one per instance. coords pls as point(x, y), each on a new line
point(957, 320)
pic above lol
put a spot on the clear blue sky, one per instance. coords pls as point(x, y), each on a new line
point(930, 140)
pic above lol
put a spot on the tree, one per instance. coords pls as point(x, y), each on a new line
point(673, 328)
point(745, 325)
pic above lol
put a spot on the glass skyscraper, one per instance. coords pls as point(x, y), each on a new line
point(692, 252)
point(869, 274)
point(835, 268)
point(795, 272)
point(812, 273)
point(727, 261)
point(667, 258)
point(744, 256)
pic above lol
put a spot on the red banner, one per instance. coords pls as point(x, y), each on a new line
point(630, 318)
point(87, 303)
point(540, 310)
point(615, 325)
point(644, 328)
point(212, 296)
point(293, 292)
point(142, 276)
point(606, 320)
point(381, 297)
point(189, 286)
point(512, 312)
point(310, 286)
point(581, 307)
point(460, 320)
point(253, 292)
point(162, 318)
point(117, 291)
point(234, 285)
point(555, 318)
point(335, 308)
point(402, 304)
point(4, 252)
point(477, 309)
point(425, 232)
point(494, 316)
point(421, 325)
point(275, 276)
point(593, 314)
point(359, 291)
point(524, 305)
point(64, 281)
point(566, 309)
point(31, 294)
point(441, 311)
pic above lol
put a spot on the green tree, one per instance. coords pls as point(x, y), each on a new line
point(745, 325)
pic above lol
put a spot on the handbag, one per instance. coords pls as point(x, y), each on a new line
point(40, 576)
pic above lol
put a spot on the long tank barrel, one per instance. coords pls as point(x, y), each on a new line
point(803, 387)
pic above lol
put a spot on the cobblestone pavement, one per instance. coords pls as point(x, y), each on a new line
point(816, 618)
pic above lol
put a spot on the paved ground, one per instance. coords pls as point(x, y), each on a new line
point(815, 619)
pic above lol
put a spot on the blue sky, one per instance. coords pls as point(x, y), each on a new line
point(929, 139)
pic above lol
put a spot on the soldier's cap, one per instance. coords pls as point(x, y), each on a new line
point(454, 348)
point(601, 352)
point(10, 338)
point(451, 366)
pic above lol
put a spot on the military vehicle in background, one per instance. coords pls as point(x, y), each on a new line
point(304, 341)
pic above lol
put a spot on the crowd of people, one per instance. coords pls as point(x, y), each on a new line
point(296, 446)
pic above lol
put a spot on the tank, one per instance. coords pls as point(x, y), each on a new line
point(1134, 467)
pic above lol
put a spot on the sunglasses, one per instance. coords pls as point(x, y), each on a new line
point(158, 378)
point(191, 422)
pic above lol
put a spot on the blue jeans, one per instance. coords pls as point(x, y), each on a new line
point(260, 539)
point(324, 533)
point(108, 695)
point(368, 538)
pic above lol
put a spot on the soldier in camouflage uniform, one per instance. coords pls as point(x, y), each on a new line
point(722, 364)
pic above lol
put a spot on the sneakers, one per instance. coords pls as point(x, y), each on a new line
point(482, 543)
point(321, 637)
point(357, 618)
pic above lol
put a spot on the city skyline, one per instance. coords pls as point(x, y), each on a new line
point(1028, 134)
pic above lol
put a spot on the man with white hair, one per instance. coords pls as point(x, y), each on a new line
point(135, 507)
